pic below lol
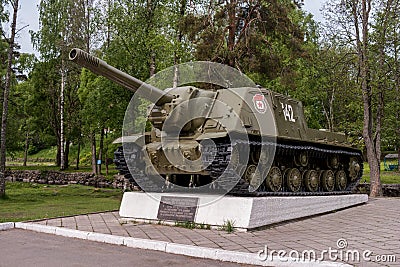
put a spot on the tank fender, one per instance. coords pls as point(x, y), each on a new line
point(130, 139)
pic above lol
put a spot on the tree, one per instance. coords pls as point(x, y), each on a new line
point(386, 53)
point(371, 139)
point(260, 38)
point(352, 19)
point(7, 88)
point(20, 123)
point(138, 41)
point(325, 86)
point(63, 26)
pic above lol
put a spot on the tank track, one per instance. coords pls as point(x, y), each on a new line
point(218, 157)
point(137, 168)
point(222, 158)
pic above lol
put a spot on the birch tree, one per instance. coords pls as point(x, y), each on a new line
point(62, 26)
point(10, 55)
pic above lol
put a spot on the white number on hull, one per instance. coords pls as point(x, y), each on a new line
point(288, 112)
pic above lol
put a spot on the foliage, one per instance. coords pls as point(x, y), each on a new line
point(186, 224)
point(191, 225)
point(228, 226)
point(260, 38)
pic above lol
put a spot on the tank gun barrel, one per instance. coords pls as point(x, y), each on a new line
point(101, 67)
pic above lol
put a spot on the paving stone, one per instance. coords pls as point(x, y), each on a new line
point(54, 222)
point(204, 244)
point(68, 222)
point(101, 230)
point(119, 232)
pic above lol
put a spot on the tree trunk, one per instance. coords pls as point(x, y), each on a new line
point(66, 153)
point(94, 160)
point(373, 152)
point(152, 64)
point(7, 88)
point(231, 32)
point(58, 155)
point(101, 150)
point(398, 159)
point(179, 37)
point(56, 128)
point(331, 112)
point(26, 147)
point(397, 89)
point(62, 154)
point(87, 15)
point(78, 154)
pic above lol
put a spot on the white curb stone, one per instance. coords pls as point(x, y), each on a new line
point(37, 228)
point(20, 225)
point(71, 233)
point(239, 257)
point(189, 250)
point(6, 226)
point(145, 244)
point(104, 238)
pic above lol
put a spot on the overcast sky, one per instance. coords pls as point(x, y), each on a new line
point(28, 17)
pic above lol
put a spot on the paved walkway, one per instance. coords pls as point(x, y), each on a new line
point(373, 227)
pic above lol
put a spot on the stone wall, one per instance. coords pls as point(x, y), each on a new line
point(388, 190)
point(62, 178)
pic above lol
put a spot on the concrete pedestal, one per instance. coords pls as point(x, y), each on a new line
point(246, 212)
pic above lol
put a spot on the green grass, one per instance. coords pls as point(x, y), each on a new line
point(228, 226)
point(26, 201)
point(387, 177)
point(48, 153)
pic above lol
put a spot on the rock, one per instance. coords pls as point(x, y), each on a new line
point(60, 178)
point(388, 190)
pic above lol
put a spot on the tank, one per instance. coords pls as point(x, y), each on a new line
point(247, 141)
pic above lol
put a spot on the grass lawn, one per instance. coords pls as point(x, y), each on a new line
point(25, 201)
point(387, 177)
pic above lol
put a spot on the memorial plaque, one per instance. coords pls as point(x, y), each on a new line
point(177, 208)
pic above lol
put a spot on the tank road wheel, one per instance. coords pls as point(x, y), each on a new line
point(301, 159)
point(273, 181)
point(293, 180)
point(333, 162)
point(354, 168)
point(311, 180)
point(253, 176)
point(328, 180)
point(341, 180)
point(248, 174)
